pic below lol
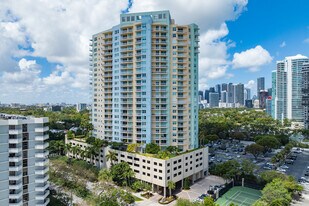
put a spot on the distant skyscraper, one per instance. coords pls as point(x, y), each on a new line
point(247, 93)
point(273, 92)
point(260, 85)
point(249, 103)
point(218, 90)
point(230, 93)
point(207, 95)
point(262, 98)
point(270, 91)
point(224, 96)
point(239, 94)
point(305, 94)
point(224, 87)
point(268, 105)
point(212, 89)
point(213, 99)
point(288, 90)
point(201, 95)
point(81, 106)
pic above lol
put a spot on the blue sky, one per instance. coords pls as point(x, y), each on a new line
point(270, 24)
point(45, 56)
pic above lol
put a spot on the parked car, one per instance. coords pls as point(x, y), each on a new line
point(267, 168)
point(281, 170)
point(284, 167)
point(202, 197)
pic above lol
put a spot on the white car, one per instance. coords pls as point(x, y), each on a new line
point(284, 167)
point(281, 170)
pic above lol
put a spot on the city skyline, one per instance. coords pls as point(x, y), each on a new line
point(37, 65)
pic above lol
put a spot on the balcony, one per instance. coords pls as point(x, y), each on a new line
point(16, 178)
point(42, 146)
point(42, 129)
point(16, 196)
point(43, 196)
point(15, 131)
point(41, 172)
point(16, 187)
point(42, 155)
point(15, 140)
point(41, 138)
point(42, 163)
point(41, 180)
point(41, 188)
point(15, 150)
point(15, 159)
point(15, 168)
point(43, 204)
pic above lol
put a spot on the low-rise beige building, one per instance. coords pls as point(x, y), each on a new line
point(192, 165)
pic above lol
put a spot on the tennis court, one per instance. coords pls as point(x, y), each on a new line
point(241, 196)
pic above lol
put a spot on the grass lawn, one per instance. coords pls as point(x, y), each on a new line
point(241, 196)
point(137, 198)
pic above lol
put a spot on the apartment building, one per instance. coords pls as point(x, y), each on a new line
point(144, 81)
point(305, 94)
point(23, 161)
point(287, 88)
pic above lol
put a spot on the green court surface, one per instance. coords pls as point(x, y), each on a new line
point(241, 196)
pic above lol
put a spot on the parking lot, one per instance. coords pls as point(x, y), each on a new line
point(299, 167)
point(222, 151)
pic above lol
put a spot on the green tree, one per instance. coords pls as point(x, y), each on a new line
point(132, 147)
point(228, 170)
point(208, 201)
point(171, 186)
point(105, 175)
point(111, 156)
point(269, 176)
point(152, 148)
point(121, 173)
point(186, 184)
point(212, 137)
point(268, 142)
point(255, 149)
point(172, 149)
point(247, 167)
point(275, 192)
point(138, 186)
point(186, 202)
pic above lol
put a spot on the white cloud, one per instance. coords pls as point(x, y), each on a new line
point(283, 44)
point(252, 59)
point(306, 40)
point(60, 30)
point(251, 84)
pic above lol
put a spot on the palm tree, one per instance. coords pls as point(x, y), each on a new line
point(129, 174)
point(111, 156)
point(75, 150)
point(59, 146)
point(171, 186)
point(82, 154)
point(91, 153)
point(68, 148)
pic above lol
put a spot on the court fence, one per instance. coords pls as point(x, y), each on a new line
point(242, 182)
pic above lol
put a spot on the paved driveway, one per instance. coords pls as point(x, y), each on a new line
point(195, 191)
point(200, 187)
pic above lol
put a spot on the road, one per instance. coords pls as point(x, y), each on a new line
point(298, 169)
